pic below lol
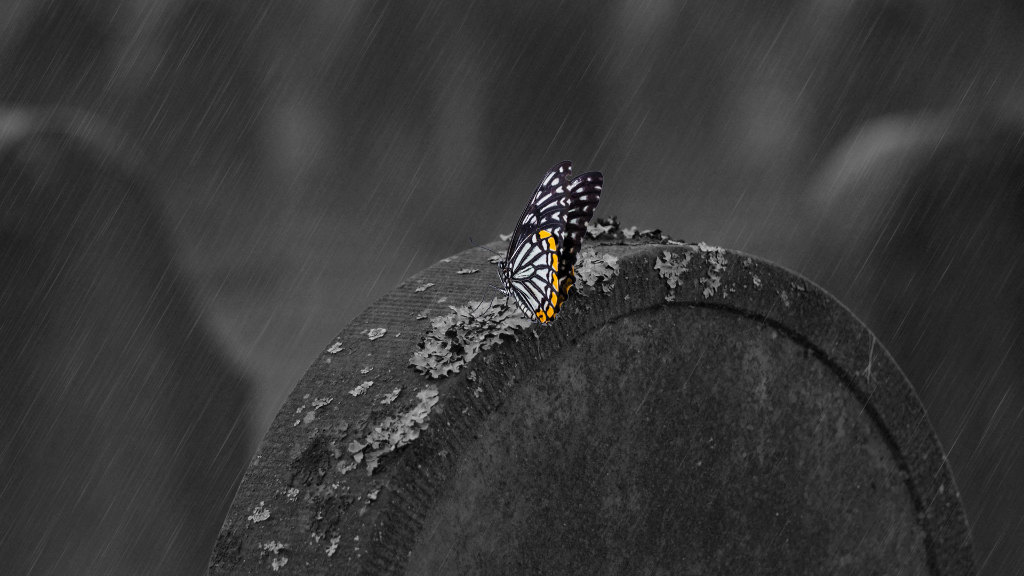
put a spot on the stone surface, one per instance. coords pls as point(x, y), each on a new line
point(739, 421)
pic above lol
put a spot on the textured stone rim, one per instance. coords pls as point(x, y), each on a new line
point(750, 287)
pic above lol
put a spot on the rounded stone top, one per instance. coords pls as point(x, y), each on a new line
point(691, 410)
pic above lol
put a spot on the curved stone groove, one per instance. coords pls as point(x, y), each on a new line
point(377, 536)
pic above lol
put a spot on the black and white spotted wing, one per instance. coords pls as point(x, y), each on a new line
point(584, 192)
point(548, 204)
point(538, 267)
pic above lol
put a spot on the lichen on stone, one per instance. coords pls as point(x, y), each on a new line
point(375, 333)
point(391, 396)
point(394, 432)
point(715, 257)
point(358, 390)
point(274, 547)
point(277, 551)
point(610, 229)
point(259, 513)
point(594, 272)
point(455, 339)
point(321, 402)
point(602, 226)
point(671, 266)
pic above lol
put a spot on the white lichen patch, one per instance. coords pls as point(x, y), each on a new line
point(391, 396)
point(366, 369)
point(609, 229)
point(715, 258)
point(671, 266)
point(335, 348)
point(375, 333)
point(597, 228)
point(361, 388)
point(394, 432)
point(321, 402)
point(259, 513)
point(423, 287)
point(273, 547)
point(292, 494)
point(456, 338)
point(467, 271)
point(594, 271)
point(278, 551)
point(711, 284)
point(334, 546)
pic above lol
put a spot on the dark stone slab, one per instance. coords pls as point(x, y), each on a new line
point(740, 422)
point(124, 424)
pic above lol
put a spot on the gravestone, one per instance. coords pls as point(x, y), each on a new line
point(692, 410)
point(124, 426)
point(919, 229)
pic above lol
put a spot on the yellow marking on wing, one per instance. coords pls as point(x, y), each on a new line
point(550, 311)
point(551, 244)
point(543, 234)
point(554, 297)
point(554, 281)
point(554, 261)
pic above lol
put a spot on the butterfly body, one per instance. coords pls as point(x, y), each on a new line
point(538, 269)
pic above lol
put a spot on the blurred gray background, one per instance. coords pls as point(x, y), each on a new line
point(306, 157)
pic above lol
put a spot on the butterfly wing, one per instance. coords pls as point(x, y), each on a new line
point(543, 209)
point(582, 196)
point(532, 273)
point(538, 267)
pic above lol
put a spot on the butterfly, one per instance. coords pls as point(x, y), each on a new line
point(538, 269)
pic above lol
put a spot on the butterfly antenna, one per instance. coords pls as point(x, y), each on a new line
point(489, 304)
point(478, 309)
